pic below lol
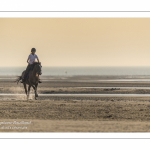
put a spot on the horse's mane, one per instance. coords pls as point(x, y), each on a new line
point(36, 63)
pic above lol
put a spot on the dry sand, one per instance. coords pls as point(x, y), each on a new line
point(75, 114)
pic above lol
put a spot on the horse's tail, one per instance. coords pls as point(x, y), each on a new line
point(18, 79)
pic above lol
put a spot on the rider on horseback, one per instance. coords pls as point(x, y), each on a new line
point(31, 59)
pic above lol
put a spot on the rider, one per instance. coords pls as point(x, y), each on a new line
point(31, 59)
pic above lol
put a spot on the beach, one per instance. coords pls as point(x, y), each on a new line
point(77, 104)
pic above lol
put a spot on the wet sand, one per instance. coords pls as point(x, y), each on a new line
point(76, 113)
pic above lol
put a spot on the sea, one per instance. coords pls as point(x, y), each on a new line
point(70, 71)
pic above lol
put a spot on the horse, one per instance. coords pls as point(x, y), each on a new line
point(32, 79)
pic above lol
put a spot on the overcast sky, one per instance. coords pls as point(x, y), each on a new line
point(76, 41)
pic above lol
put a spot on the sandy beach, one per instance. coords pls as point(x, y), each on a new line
point(76, 113)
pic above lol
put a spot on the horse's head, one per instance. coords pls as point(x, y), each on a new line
point(38, 68)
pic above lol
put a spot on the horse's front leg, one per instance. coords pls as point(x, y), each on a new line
point(28, 91)
point(35, 91)
point(25, 88)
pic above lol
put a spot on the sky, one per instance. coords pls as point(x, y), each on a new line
point(76, 41)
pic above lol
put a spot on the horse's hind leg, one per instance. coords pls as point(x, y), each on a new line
point(25, 88)
point(28, 91)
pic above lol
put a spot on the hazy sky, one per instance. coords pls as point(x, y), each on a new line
point(76, 41)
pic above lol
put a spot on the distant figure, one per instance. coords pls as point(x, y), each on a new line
point(31, 60)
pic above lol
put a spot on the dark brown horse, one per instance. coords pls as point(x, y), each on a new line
point(32, 80)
